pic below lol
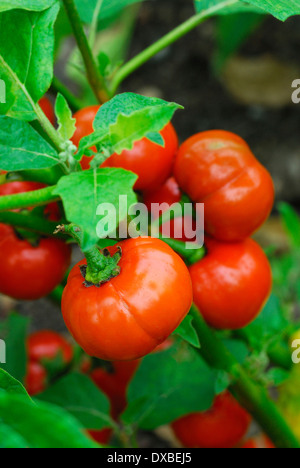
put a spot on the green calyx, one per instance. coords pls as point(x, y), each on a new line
point(101, 267)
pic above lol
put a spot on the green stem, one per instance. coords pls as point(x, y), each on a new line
point(101, 266)
point(59, 87)
point(30, 222)
point(280, 355)
point(164, 42)
point(252, 397)
point(190, 255)
point(94, 24)
point(94, 76)
point(29, 199)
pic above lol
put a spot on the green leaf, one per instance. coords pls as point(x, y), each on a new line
point(78, 395)
point(40, 425)
point(291, 222)
point(21, 147)
point(277, 376)
point(10, 439)
point(187, 332)
point(169, 385)
point(224, 7)
point(109, 8)
point(126, 119)
point(14, 332)
point(281, 9)
point(267, 326)
point(83, 192)
point(32, 5)
point(223, 381)
point(237, 348)
point(26, 58)
point(66, 123)
point(11, 385)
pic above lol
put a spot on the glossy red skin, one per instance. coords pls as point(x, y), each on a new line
point(129, 316)
point(10, 188)
point(47, 344)
point(223, 426)
point(36, 378)
point(84, 127)
point(47, 108)
point(28, 272)
point(169, 193)
point(42, 345)
point(258, 442)
point(114, 384)
point(231, 283)
point(84, 123)
point(218, 169)
point(152, 163)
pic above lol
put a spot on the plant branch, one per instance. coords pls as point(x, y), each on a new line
point(28, 199)
point(252, 397)
point(164, 42)
point(94, 76)
point(30, 222)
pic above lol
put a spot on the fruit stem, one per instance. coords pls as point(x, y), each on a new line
point(101, 265)
point(250, 395)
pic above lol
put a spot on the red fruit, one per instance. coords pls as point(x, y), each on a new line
point(218, 169)
point(47, 344)
point(102, 437)
point(259, 442)
point(36, 378)
point(11, 188)
point(223, 426)
point(169, 194)
point(152, 163)
point(30, 272)
point(84, 127)
point(47, 108)
point(44, 345)
point(114, 381)
point(231, 283)
point(128, 316)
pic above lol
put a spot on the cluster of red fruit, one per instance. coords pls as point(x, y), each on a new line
point(155, 289)
point(223, 426)
point(217, 168)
